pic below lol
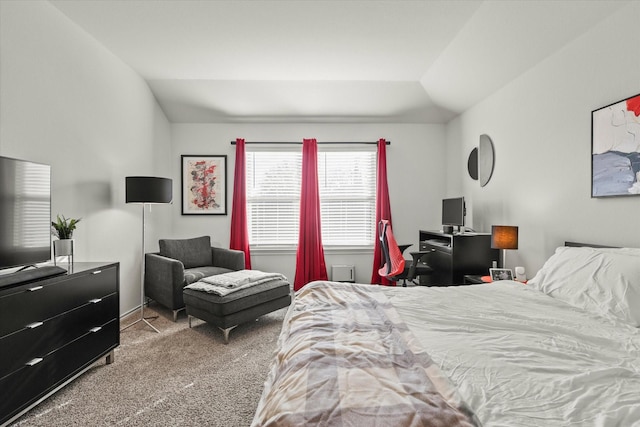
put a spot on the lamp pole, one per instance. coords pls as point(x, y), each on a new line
point(142, 318)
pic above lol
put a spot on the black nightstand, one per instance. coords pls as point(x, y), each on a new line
point(472, 279)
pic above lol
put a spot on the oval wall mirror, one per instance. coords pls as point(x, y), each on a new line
point(472, 163)
point(485, 159)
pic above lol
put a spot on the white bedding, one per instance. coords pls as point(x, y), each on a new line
point(522, 358)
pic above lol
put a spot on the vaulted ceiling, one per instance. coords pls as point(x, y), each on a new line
point(398, 61)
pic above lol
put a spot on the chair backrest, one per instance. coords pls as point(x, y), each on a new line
point(194, 252)
point(394, 260)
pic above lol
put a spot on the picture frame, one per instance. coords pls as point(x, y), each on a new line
point(500, 274)
point(204, 184)
point(615, 149)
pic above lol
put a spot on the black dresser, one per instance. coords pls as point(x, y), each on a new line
point(52, 330)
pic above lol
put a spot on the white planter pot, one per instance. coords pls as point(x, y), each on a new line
point(63, 247)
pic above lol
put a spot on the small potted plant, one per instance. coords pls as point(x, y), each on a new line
point(63, 229)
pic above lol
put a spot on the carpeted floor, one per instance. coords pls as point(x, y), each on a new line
point(180, 377)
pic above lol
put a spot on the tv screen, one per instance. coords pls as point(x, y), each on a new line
point(453, 211)
point(25, 212)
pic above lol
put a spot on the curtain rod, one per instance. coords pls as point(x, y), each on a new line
point(319, 142)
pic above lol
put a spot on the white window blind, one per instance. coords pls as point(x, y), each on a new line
point(273, 196)
point(347, 184)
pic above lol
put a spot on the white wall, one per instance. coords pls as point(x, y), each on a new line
point(67, 101)
point(541, 128)
point(416, 176)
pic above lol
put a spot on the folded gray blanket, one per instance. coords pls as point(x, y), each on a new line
point(226, 283)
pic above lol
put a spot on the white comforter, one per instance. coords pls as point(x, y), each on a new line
point(522, 358)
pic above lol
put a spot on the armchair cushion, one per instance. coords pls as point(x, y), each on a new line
point(194, 252)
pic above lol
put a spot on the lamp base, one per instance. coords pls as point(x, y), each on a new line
point(142, 319)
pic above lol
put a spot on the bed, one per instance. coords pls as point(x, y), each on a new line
point(562, 350)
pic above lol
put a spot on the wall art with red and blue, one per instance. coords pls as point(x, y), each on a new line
point(615, 149)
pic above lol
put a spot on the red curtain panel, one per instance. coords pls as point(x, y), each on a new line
point(383, 210)
point(239, 230)
point(310, 264)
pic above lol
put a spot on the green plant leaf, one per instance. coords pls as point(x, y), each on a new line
point(63, 227)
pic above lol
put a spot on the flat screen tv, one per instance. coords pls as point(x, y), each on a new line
point(25, 213)
point(453, 212)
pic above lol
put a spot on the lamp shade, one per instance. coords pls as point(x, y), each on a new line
point(504, 237)
point(148, 189)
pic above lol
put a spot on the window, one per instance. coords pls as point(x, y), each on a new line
point(347, 183)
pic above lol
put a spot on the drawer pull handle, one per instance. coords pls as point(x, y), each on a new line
point(34, 325)
point(95, 300)
point(96, 329)
point(35, 288)
point(34, 361)
point(97, 272)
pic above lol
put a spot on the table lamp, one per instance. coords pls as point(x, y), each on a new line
point(504, 237)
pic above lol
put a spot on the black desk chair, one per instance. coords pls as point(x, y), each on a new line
point(396, 268)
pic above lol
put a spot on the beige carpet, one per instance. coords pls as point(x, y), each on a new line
point(180, 377)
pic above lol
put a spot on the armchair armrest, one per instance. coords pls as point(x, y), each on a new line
point(164, 280)
point(227, 258)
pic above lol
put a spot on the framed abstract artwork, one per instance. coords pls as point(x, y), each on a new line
point(204, 185)
point(615, 149)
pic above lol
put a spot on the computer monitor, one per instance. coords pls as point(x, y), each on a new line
point(453, 213)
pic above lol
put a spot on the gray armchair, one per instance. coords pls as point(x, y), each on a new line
point(181, 262)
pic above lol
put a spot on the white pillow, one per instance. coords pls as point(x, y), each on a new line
point(604, 281)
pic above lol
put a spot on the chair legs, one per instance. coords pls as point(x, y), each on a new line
point(175, 313)
point(412, 283)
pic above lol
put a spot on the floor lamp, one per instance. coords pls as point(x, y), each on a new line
point(146, 190)
point(504, 237)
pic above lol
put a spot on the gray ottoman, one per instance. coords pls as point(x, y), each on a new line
point(227, 312)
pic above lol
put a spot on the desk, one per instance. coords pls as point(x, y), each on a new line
point(456, 255)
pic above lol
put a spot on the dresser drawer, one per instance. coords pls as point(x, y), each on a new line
point(84, 351)
point(31, 303)
point(40, 339)
point(39, 378)
point(23, 387)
